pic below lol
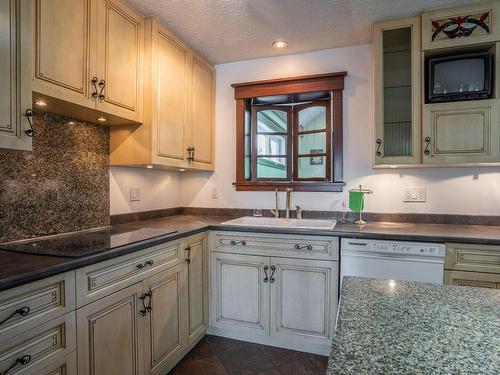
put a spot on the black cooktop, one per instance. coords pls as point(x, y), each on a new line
point(79, 244)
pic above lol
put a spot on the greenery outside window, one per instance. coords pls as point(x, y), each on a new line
point(288, 138)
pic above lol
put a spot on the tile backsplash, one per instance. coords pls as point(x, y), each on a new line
point(61, 186)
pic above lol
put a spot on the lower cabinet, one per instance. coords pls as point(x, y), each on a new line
point(473, 279)
point(274, 300)
point(148, 326)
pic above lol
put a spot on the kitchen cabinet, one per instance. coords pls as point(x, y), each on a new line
point(196, 257)
point(15, 73)
point(461, 132)
point(282, 300)
point(397, 85)
point(165, 318)
point(178, 129)
point(472, 265)
point(88, 59)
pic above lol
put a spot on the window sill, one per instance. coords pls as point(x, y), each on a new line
point(319, 186)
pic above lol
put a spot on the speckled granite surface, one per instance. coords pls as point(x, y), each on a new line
point(415, 328)
point(61, 186)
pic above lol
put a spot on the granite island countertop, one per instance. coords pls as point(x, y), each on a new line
point(400, 327)
point(19, 268)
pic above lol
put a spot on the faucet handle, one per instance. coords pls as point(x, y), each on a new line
point(299, 210)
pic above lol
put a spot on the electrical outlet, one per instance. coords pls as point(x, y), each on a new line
point(135, 194)
point(415, 195)
point(214, 193)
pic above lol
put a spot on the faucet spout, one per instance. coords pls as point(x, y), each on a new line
point(276, 212)
point(288, 201)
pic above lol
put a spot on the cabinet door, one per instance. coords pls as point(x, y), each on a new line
point(119, 60)
point(461, 132)
point(62, 46)
point(196, 251)
point(165, 332)
point(472, 279)
point(239, 293)
point(15, 73)
point(303, 299)
point(202, 120)
point(397, 77)
point(170, 96)
point(109, 335)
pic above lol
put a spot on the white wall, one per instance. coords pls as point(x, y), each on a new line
point(158, 189)
point(449, 190)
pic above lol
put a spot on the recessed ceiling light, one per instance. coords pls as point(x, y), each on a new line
point(102, 119)
point(280, 44)
point(149, 166)
point(41, 103)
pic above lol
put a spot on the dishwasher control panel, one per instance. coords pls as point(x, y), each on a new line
point(394, 247)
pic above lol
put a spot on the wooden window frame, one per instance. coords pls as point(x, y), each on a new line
point(244, 92)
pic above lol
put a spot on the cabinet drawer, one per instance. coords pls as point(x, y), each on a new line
point(473, 279)
point(305, 246)
point(477, 258)
point(38, 347)
point(30, 305)
point(63, 366)
point(101, 279)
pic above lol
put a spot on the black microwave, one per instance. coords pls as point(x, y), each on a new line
point(459, 77)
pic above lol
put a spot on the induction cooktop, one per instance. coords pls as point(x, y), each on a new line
point(75, 245)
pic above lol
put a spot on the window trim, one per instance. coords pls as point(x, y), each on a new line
point(321, 82)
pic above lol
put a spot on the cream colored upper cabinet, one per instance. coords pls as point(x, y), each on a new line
point(397, 85)
point(179, 94)
point(62, 45)
point(202, 120)
point(88, 56)
point(119, 60)
point(461, 132)
point(15, 73)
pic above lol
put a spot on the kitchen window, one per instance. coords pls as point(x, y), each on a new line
point(289, 133)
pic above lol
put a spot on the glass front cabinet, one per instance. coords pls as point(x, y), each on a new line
point(397, 85)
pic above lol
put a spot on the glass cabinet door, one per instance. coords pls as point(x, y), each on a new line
point(397, 92)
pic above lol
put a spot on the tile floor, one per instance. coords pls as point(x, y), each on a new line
point(215, 355)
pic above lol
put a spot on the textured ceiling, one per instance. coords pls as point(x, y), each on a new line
point(233, 30)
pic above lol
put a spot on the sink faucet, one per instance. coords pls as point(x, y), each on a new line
point(276, 212)
point(298, 209)
point(288, 201)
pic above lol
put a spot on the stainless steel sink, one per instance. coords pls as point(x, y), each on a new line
point(250, 221)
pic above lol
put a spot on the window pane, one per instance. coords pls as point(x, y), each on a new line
point(272, 120)
point(248, 145)
point(314, 143)
point(271, 144)
point(312, 118)
point(271, 167)
point(312, 167)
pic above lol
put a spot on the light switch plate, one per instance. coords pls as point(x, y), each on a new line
point(135, 194)
point(415, 195)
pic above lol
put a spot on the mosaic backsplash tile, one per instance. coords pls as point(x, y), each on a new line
point(61, 186)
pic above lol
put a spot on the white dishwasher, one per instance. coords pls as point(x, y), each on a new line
point(393, 260)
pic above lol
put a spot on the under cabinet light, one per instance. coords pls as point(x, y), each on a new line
point(280, 44)
point(102, 119)
point(41, 103)
point(149, 166)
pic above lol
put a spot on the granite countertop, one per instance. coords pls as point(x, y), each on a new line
point(401, 327)
point(18, 268)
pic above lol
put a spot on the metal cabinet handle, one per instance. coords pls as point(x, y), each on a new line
point(145, 308)
point(427, 145)
point(29, 116)
point(23, 311)
point(273, 270)
point(94, 94)
point(102, 85)
point(266, 279)
point(188, 249)
point(234, 243)
point(24, 360)
point(147, 263)
point(379, 144)
point(306, 247)
point(190, 151)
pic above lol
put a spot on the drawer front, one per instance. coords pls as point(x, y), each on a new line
point(101, 279)
point(30, 305)
point(39, 347)
point(476, 258)
point(63, 366)
point(309, 247)
point(472, 279)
